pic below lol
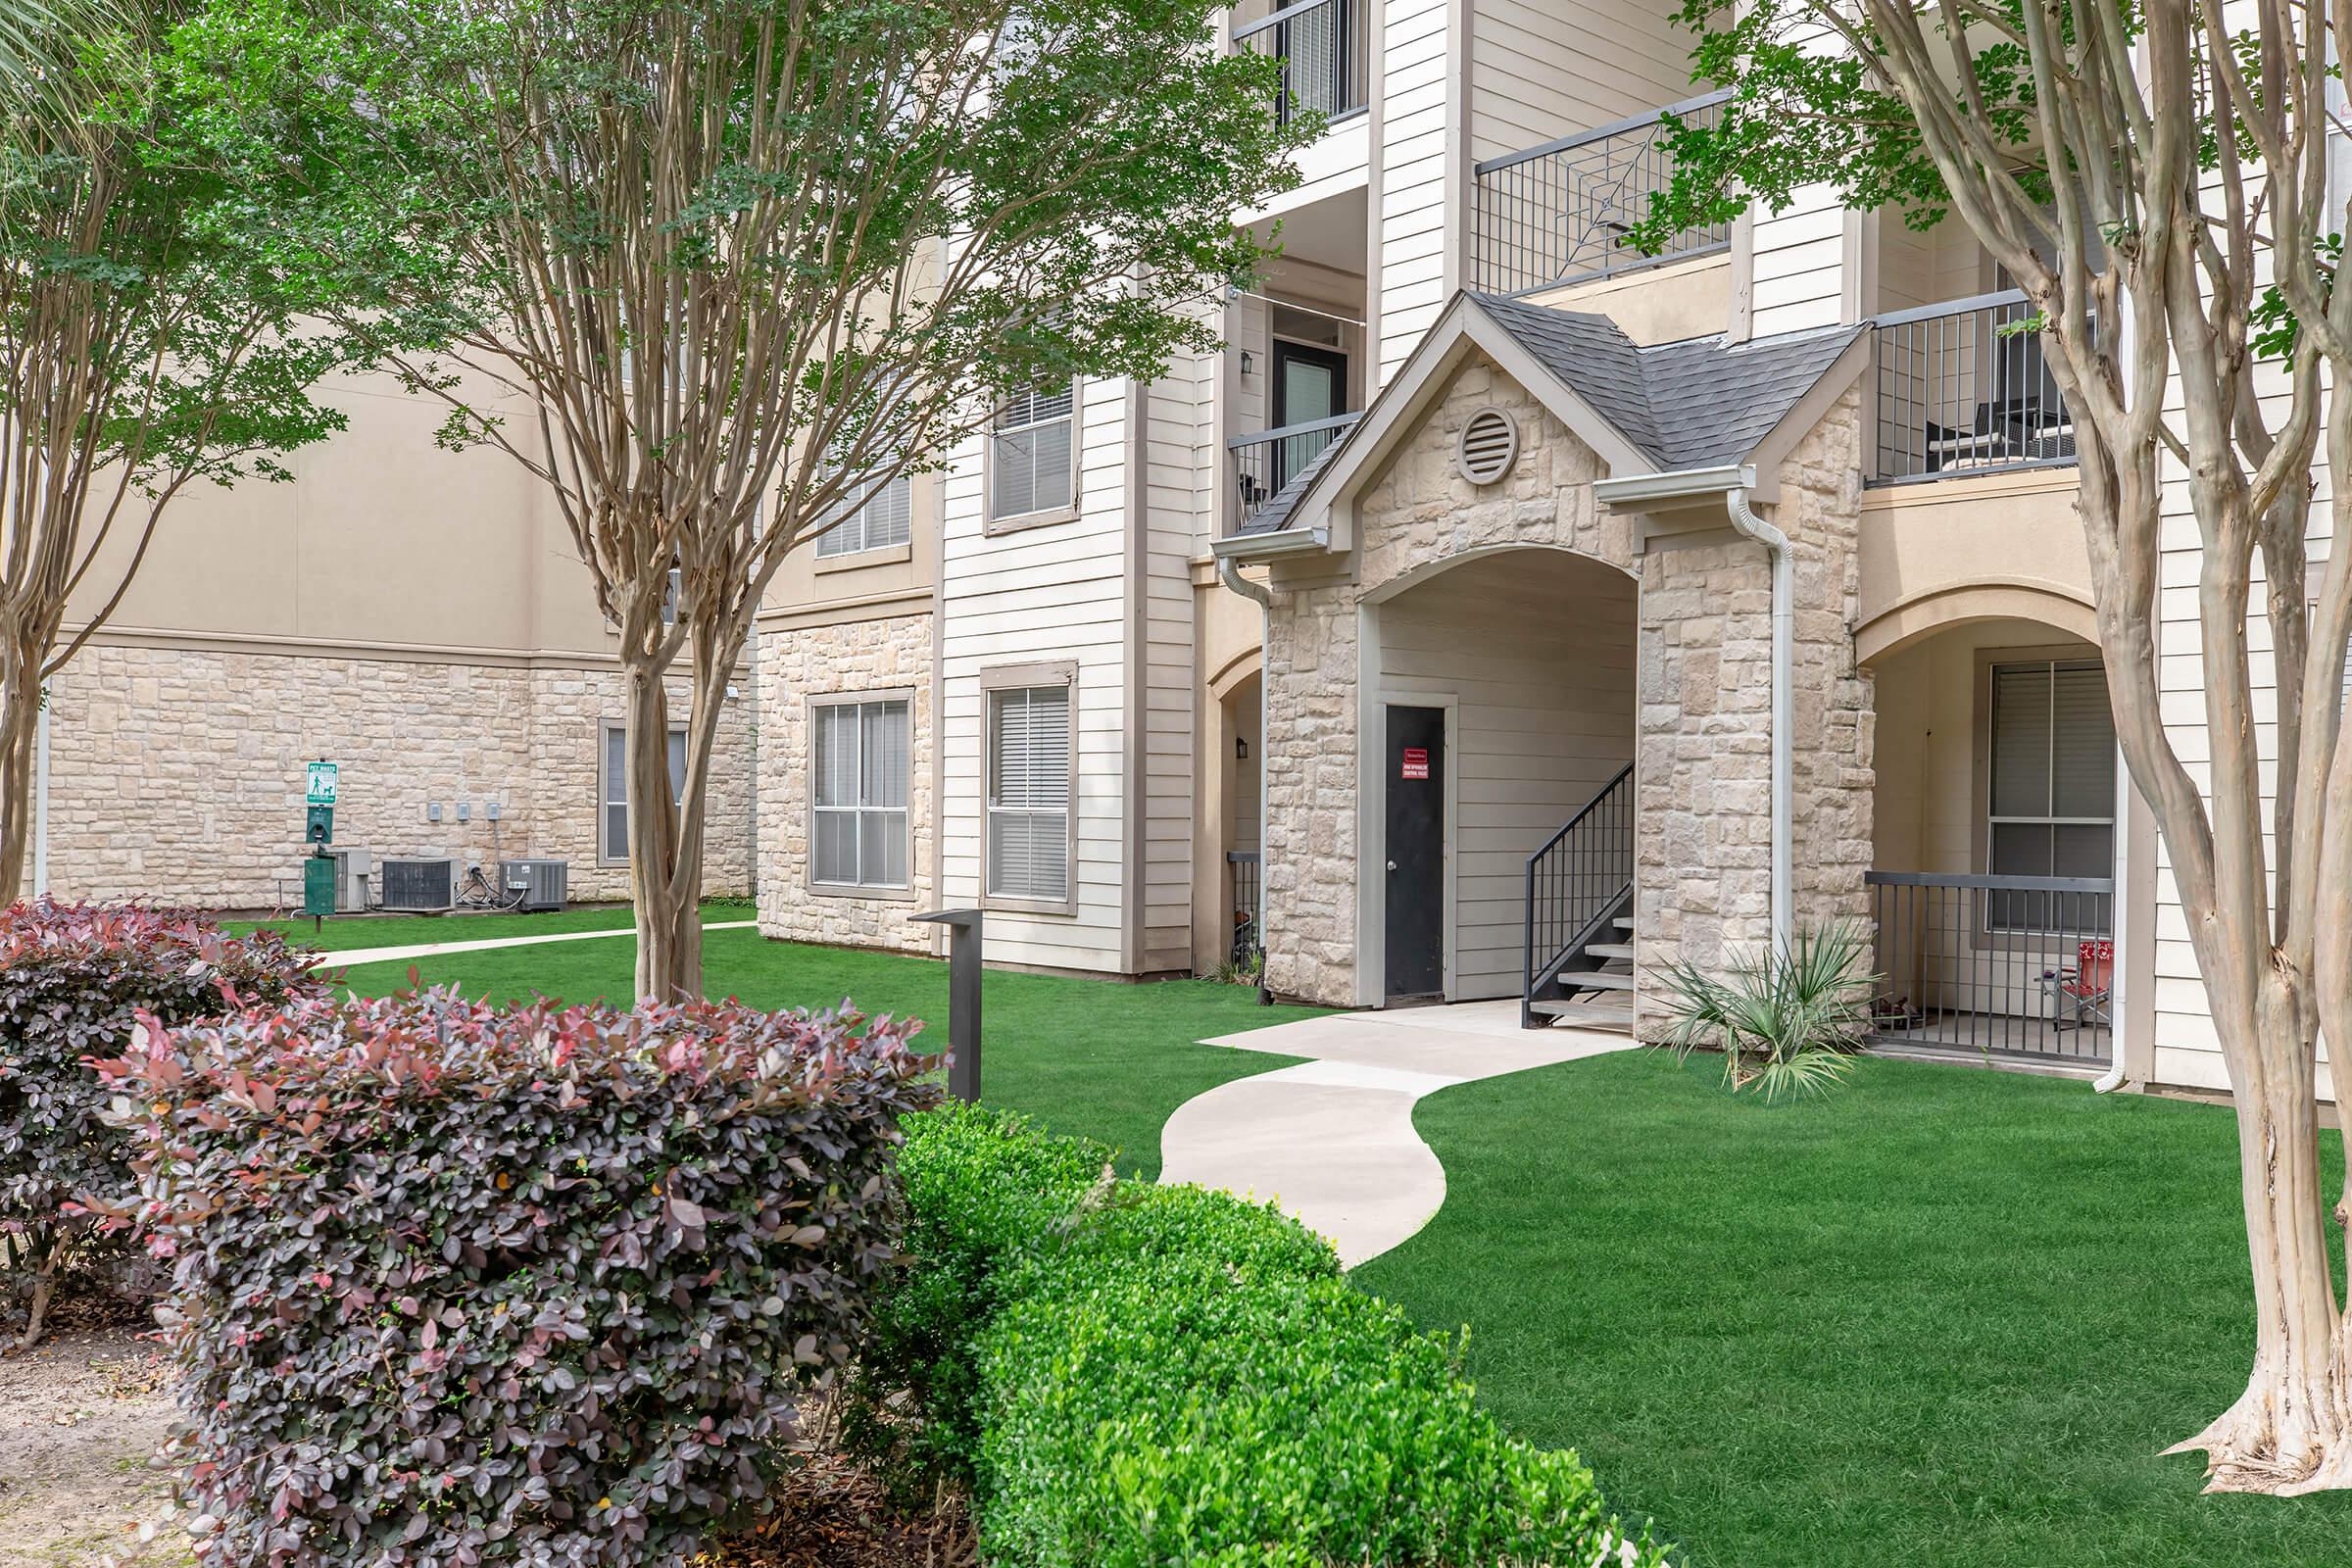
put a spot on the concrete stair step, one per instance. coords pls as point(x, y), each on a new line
point(1618, 1019)
point(1610, 950)
point(1597, 979)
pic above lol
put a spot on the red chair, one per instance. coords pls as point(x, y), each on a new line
point(2080, 996)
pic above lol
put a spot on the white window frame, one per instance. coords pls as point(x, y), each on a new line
point(995, 686)
point(606, 784)
point(998, 429)
point(903, 699)
point(1995, 660)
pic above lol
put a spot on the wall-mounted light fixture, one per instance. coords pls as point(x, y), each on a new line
point(1241, 749)
point(1249, 362)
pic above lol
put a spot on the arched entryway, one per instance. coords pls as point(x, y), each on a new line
point(1506, 704)
point(2000, 836)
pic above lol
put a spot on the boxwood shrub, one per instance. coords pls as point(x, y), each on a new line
point(73, 979)
point(458, 1285)
point(1169, 1374)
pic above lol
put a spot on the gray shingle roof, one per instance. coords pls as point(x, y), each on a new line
point(1687, 404)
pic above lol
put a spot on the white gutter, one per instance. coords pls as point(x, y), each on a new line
point(1267, 546)
point(1737, 499)
point(1229, 573)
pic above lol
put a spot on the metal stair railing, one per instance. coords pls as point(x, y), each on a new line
point(1576, 883)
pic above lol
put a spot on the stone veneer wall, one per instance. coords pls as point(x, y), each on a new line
point(795, 664)
point(176, 773)
point(1704, 675)
point(1703, 771)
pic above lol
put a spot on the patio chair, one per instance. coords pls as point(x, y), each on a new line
point(2080, 996)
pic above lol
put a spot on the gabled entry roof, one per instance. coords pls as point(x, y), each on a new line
point(1703, 403)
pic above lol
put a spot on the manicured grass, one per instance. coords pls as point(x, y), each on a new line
point(346, 931)
point(1943, 1319)
point(1107, 1059)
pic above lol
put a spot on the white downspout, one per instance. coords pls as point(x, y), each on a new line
point(1229, 573)
point(40, 796)
point(1784, 703)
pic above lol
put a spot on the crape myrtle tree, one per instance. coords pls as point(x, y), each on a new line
point(724, 268)
point(177, 217)
point(2154, 176)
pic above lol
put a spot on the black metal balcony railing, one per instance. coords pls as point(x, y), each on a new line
point(1559, 213)
point(1317, 42)
point(1244, 864)
point(1265, 462)
point(1963, 387)
point(2003, 966)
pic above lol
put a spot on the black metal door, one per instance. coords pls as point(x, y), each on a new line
point(1416, 867)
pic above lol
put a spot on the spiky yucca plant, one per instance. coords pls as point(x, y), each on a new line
point(1787, 1020)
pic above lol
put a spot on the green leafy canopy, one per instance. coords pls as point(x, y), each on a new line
point(183, 244)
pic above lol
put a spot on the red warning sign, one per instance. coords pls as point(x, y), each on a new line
point(1416, 762)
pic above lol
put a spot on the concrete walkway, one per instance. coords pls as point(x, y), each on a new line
point(1332, 1140)
point(427, 949)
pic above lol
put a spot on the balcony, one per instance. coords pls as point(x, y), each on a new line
point(1559, 213)
point(1271, 468)
point(1962, 388)
point(1318, 43)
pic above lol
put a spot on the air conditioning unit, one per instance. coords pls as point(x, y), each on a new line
point(533, 884)
point(418, 884)
point(352, 866)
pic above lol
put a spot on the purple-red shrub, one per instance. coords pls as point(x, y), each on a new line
point(455, 1284)
point(72, 980)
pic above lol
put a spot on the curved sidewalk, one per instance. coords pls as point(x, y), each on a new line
point(352, 958)
point(1332, 1140)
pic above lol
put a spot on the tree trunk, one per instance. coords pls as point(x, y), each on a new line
point(20, 729)
point(2291, 1429)
point(669, 932)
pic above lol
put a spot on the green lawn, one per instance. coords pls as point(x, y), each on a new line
point(342, 933)
point(1092, 1056)
point(1943, 1319)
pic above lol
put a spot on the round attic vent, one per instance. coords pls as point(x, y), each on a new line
point(1489, 445)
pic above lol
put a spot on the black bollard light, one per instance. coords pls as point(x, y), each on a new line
point(964, 998)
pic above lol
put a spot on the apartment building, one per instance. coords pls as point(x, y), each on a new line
point(1580, 571)
point(419, 618)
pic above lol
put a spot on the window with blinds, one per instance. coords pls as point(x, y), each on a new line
point(858, 836)
point(1029, 793)
point(1031, 451)
point(2052, 779)
point(612, 815)
point(886, 519)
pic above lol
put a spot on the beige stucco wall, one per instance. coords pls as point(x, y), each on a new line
point(176, 772)
point(1658, 304)
point(889, 655)
point(1955, 550)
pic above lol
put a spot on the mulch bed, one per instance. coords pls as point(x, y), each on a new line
point(832, 1514)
